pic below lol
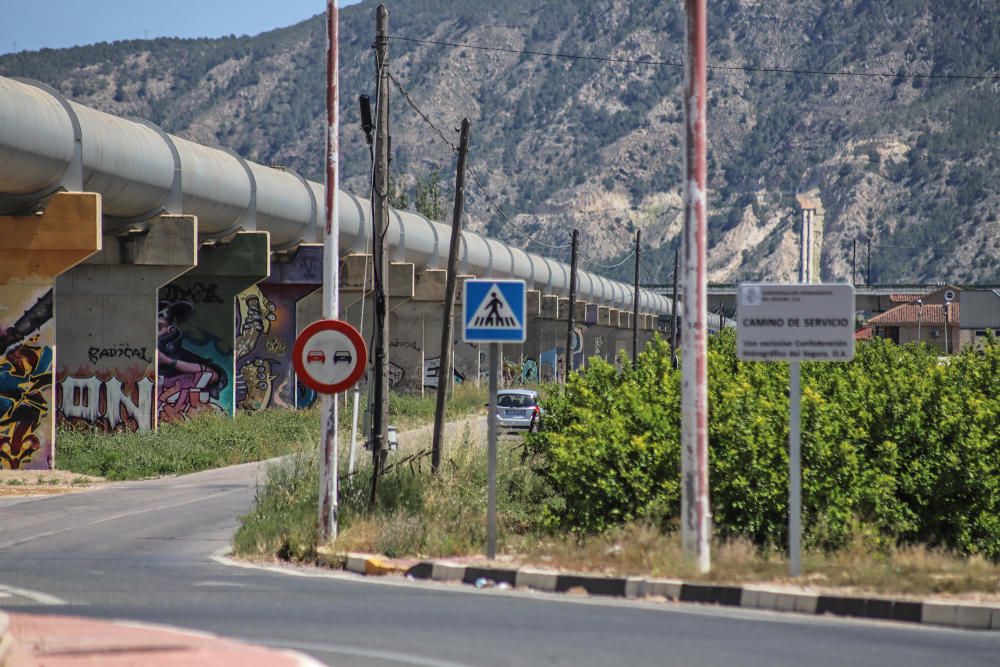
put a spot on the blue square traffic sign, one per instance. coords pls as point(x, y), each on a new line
point(494, 311)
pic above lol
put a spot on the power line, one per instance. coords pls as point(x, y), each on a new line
point(605, 266)
point(471, 171)
point(722, 68)
point(513, 224)
point(420, 113)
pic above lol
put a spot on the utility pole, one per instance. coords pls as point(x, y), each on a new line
point(635, 304)
point(447, 337)
point(380, 222)
point(869, 279)
point(854, 263)
point(571, 319)
point(695, 518)
point(673, 315)
point(328, 507)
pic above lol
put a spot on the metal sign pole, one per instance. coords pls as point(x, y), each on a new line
point(491, 469)
point(794, 471)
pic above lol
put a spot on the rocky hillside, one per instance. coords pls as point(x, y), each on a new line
point(909, 163)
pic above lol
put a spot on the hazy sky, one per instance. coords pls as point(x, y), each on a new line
point(29, 25)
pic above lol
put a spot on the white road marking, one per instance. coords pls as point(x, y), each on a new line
point(361, 652)
point(115, 517)
point(34, 596)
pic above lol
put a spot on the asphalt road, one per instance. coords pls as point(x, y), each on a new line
point(144, 551)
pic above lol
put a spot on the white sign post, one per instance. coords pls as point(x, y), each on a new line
point(795, 323)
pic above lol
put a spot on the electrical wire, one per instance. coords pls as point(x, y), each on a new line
point(425, 117)
point(514, 225)
point(470, 170)
point(723, 68)
point(604, 266)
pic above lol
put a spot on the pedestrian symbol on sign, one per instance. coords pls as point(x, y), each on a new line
point(494, 311)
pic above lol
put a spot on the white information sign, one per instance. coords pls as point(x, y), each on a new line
point(795, 322)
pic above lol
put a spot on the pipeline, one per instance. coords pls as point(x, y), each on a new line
point(49, 143)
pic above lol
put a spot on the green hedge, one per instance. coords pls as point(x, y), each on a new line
point(898, 444)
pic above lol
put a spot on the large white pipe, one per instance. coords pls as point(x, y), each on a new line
point(137, 169)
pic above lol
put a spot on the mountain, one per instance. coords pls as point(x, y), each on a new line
point(907, 163)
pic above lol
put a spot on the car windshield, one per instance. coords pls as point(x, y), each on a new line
point(516, 401)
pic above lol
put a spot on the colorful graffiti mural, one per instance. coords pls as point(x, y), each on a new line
point(192, 364)
point(265, 334)
point(26, 360)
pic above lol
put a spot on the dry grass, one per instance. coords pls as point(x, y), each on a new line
point(639, 549)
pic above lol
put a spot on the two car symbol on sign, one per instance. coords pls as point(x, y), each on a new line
point(318, 356)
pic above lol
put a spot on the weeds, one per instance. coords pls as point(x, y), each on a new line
point(206, 441)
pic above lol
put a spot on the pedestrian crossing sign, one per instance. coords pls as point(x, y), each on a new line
point(493, 311)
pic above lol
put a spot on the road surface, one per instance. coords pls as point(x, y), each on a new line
point(145, 551)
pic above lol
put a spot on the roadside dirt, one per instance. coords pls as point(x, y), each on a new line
point(45, 482)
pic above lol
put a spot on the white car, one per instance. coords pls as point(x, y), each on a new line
point(518, 409)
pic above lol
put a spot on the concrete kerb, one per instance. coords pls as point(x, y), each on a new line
point(959, 615)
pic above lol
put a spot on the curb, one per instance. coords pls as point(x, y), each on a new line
point(6, 639)
point(968, 616)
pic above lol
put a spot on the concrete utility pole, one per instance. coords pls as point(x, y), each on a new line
point(635, 303)
point(447, 337)
point(380, 375)
point(673, 314)
point(695, 518)
point(571, 320)
point(328, 506)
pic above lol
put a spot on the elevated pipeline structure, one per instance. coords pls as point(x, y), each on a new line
point(50, 144)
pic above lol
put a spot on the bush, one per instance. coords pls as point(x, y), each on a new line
point(897, 446)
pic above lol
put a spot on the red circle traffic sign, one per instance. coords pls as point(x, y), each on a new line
point(329, 356)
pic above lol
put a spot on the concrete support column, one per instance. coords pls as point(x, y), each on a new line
point(107, 331)
point(267, 322)
point(531, 349)
point(34, 251)
point(405, 334)
point(196, 360)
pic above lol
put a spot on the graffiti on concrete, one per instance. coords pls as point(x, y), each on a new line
point(258, 384)
point(265, 333)
point(194, 293)
point(432, 371)
point(123, 351)
point(191, 365)
point(405, 344)
point(25, 383)
point(396, 375)
point(26, 379)
point(529, 371)
point(110, 403)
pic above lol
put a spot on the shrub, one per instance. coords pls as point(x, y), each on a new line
point(897, 445)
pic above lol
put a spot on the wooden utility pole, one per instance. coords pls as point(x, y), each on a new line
point(854, 263)
point(635, 303)
point(571, 320)
point(695, 517)
point(328, 506)
point(673, 315)
point(380, 222)
point(868, 279)
point(447, 337)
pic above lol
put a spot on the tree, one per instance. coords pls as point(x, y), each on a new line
point(427, 197)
